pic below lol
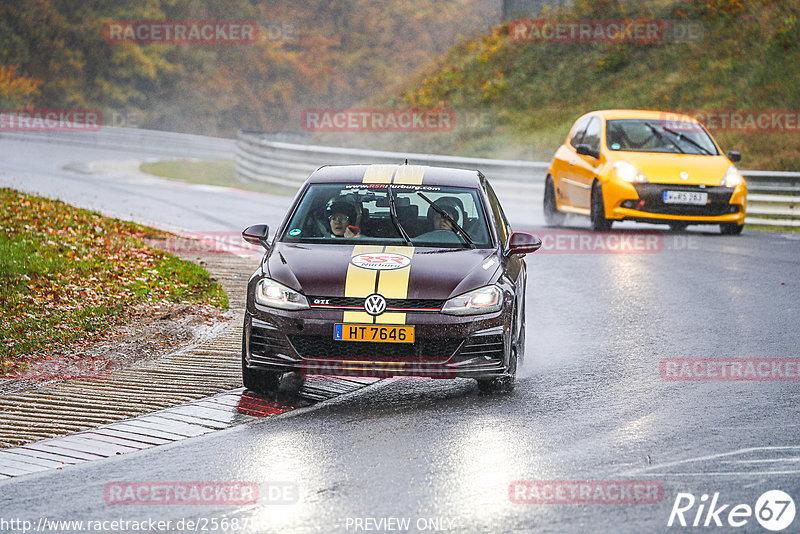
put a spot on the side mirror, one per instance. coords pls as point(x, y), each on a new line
point(523, 243)
point(586, 150)
point(734, 156)
point(257, 235)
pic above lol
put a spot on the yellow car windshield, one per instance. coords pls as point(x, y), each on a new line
point(638, 135)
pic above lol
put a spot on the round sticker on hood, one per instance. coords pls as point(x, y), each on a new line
point(381, 261)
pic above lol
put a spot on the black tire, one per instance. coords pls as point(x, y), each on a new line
point(598, 210)
point(265, 382)
point(678, 226)
point(503, 384)
point(521, 342)
point(486, 386)
point(731, 228)
point(552, 217)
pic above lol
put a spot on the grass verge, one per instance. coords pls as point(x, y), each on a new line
point(220, 172)
point(67, 275)
point(762, 228)
point(518, 100)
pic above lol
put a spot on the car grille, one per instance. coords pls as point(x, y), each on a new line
point(653, 194)
point(491, 346)
point(263, 341)
point(358, 302)
point(324, 347)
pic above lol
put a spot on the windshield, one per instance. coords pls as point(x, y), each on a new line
point(637, 135)
point(356, 213)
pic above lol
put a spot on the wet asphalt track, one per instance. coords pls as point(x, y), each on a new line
point(590, 403)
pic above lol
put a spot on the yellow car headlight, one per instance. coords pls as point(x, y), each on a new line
point(732, 177)
point(627, 172)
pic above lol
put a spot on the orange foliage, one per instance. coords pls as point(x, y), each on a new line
point(17, 90)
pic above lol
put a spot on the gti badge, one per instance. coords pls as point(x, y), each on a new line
point(684, 175)
point(375, 304)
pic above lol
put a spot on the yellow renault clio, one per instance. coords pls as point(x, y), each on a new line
point(645, 166)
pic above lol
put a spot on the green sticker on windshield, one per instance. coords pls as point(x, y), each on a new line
point(616, 146)
point(294, 231)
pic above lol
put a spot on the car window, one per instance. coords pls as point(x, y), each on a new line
point(503, 228)
point(577, 137)
point(325, 210)
point(639, 135)
point(592, 135)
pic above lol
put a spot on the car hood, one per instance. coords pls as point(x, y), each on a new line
point(323, 270)
point(667, 168)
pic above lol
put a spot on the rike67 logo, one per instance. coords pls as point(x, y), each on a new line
point(774, 511)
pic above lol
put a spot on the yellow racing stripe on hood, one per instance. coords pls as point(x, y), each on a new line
point(394, 285)
point(360, 283)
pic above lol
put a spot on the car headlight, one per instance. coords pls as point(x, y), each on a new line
point(625, 171)
point(487, 299)
point(275, 295)
point(732, 177)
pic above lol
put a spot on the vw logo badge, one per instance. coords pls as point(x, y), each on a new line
point(375, 304)
point(684, 175)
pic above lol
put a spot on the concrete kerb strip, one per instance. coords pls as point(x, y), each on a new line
point(37, 414)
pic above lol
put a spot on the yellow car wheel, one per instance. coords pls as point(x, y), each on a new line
point(598, 210)
point(552, 217)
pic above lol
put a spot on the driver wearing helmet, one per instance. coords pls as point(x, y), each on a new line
point(342, 220)
point(441, 223)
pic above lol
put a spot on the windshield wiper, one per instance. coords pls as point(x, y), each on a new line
point(395, 220)
point(454, 225)
point(655, 131)
point(681, 137)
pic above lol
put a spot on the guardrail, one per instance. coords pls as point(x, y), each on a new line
point(136, 140)
point(261, 158)
point(773, 197)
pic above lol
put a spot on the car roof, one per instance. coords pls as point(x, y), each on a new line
point(396, 174)
point(611, 114)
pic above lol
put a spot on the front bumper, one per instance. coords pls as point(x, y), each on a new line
point(644, 203)
point(445, 346)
